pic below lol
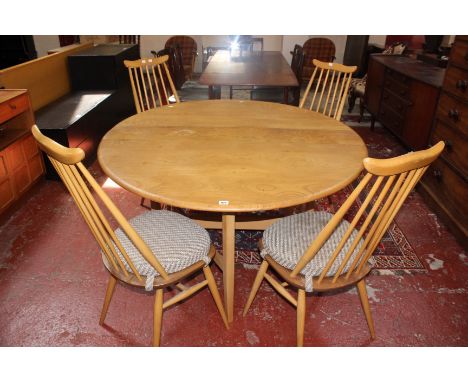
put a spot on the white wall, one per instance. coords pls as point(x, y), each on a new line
point(44, 43)
point(378, 40)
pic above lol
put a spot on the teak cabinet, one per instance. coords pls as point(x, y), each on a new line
point(402, 94)
point(21, 162)
point(445, 186)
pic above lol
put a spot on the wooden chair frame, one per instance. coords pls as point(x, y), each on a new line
point(383, 190)
point(80, 183)
point(331, 83)
point(149, 78)
point(188, 60)
point(129, 39)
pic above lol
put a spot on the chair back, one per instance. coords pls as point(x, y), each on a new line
point(297, 62)
point(150, 78)
point(129, 40)
point(329, 84)
point(79, 182)
point(377, 199)
point(175, 64)
point(188, 47)
point(322, 49)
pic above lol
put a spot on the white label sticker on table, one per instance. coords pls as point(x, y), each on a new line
point(223, 202)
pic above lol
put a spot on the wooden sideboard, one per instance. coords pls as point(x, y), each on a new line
point(402, 94)
point(445, 186)
point(21, 163)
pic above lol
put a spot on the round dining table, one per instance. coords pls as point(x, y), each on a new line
point(231, 158)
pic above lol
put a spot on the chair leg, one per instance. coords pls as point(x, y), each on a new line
point(351, 100)
point(301, 309)
point(157, 318)
point(215, 293)
point(230, 92)
point(361, 108)
point(109, 292)
point(361, 287)
point(258, 280)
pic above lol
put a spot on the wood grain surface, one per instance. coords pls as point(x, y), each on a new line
point(231, 156)
point(252, 68)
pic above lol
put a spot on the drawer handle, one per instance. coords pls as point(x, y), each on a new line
point(12, 106)
point(454, 114)
point(437, 174)
point(461, 85)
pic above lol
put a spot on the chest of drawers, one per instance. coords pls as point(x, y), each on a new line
point(444, 186)
point(402, 94)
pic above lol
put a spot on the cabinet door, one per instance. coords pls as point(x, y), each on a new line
point(3, 166)
point(36, 167)
point(21, 179)
point(30, 147)
point(15, 156)
point(17, 167)
point(7, 194)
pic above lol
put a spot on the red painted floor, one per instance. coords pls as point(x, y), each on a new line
point(52, 285)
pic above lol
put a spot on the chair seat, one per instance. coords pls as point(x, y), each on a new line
point(286, 241)
point(176, 241)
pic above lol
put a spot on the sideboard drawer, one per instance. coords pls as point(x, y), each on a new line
point(391, 120)
point(456, 82)
point(398, 87)
point(397, 104)
point(454, 112)
point(456, 147)
point(13, 107)
point(449, 188)
point(459, 54)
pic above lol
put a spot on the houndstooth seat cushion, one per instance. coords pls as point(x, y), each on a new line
point(176, 241)
point(287, 240)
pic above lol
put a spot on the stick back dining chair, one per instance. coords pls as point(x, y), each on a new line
point(151, 82)
point(152, 85)
point(327, 89)
point(316, 251)
point(129, 39)
point(154, 250)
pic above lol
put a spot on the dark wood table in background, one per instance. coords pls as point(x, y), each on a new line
point(263, 68)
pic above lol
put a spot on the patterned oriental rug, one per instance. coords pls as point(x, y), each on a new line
point(394, 253)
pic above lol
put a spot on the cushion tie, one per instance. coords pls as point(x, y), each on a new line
point(149, 283)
